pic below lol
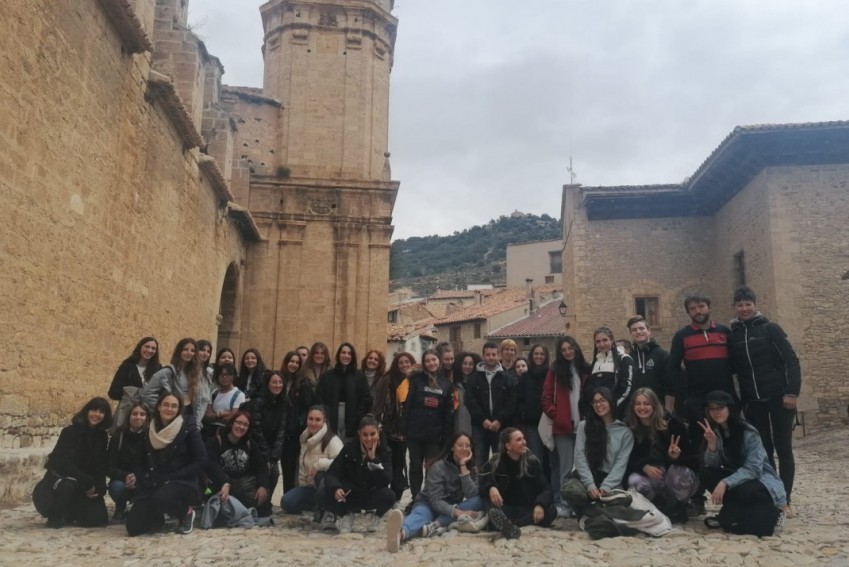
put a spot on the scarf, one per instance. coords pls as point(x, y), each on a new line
point(165, 436)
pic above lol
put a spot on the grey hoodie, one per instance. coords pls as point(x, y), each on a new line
point(620, 440)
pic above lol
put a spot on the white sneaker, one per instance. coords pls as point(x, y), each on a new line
point(345, 524)
point(394, 520)
point(372, 522)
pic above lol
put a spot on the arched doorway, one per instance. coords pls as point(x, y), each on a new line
point(229, 310)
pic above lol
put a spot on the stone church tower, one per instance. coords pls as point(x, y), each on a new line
point(314, 173)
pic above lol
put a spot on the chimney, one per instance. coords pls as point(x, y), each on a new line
point(529, 288)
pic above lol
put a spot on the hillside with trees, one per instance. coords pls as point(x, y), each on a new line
point(475, 255)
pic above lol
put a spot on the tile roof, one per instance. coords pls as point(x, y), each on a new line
point(545, 322)
point(504, 300)
point(404, 332)
point(461, 293)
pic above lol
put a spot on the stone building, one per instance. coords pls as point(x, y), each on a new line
point(768, 208)
point(540, 261)
point(139, 196)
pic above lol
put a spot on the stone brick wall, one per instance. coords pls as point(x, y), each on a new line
point(107, 232)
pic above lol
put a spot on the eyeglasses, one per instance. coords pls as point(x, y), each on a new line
point(241, 424)
point(601, 402)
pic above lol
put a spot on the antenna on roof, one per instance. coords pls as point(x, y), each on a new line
point(572, 175)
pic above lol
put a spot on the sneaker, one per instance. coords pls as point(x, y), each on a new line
point(502, 523)
point(432, 529)
point(789, 512)
point(470, 525)
point(564, 511)
point(345, 524)
point(315, 521)
point(328, 521)
point(394, 519)
point(616, 497)
point(372, 522)
point(188, 524)
point(779, 522)
point(696, 508)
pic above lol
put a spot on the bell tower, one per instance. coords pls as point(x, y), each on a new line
point(322, 195)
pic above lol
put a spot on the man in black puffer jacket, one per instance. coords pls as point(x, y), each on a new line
point(770, 379)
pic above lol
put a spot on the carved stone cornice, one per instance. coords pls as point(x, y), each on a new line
point(160, 88)
point(210, 168)
point(127, 25)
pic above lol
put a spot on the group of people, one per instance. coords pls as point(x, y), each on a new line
point(505, 441)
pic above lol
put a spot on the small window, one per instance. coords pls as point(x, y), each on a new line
point(477, 330)
point(393, 316)
point(648, 308)
point(526, 341)
point(549, 279)
point(555, 262)
point(455, 338)
point(740, 269)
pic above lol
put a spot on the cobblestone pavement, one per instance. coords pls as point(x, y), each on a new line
point(818, 535)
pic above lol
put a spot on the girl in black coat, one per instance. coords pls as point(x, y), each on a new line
point(73, 488)
point(269, 411)
point(136, 369)
point(389, 396)
point(251, 373)
point(358, 480)
point(127, 459)
point(176, 458)
point(611, 369)
point(428, 420)
point(344, 383)
point(300, 397)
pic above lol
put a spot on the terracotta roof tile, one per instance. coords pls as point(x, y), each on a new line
point(546, 322)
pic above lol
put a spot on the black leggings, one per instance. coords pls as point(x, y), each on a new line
point(72, 506)
point(420, 451)
point(147, 513)
point(399, 467)
point(748, 493)
point(775, 424)
point(289, 462)
point(379, 500)
point(524, 515)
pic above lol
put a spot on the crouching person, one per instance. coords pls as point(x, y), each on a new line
point(513, 486)
point(358, 480)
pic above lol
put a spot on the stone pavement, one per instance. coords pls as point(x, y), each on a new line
point(817, 536)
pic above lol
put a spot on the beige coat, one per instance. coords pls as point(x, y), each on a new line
point(313, 457)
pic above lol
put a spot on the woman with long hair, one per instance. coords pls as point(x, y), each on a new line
point(204, 348)
point(317, 363)
point(389, 397)
point(72, 490)
point(662, 466)
point(269, 414)
point(225, 356)
point(251, 373)
point(175, 460)
point(561, 393)
point(602, 447)
point(373, 366)
point(529, 398)
point(127, 459)
point(450, 495)
point(182, 377)
point(345, 393)
point(300, 397)
point(465, 364)
point(446, 357)
point(513, 486)
point(319, 446)
point(235, 466)
point(358, 480)
point(611, 369)
point(737, 471)
point(137, 369)
point(428, 419)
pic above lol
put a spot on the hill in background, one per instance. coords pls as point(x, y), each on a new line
point(475, 255)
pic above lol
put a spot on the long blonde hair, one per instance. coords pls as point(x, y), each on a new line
point(658, 421)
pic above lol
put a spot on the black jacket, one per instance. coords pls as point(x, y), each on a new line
point(182, 461)
point(503, 397)
point(81, 453)
point(655, 451)
point(529, 396)
point(344, 385)
point(128, 375)
point(127, 454)
point(765, 362)
point(228, 462)
point(298, 404)
point(428, 412)
point(619, 382)
point(350, 470)
point(268, 424)
point(527, 491)
point(650, 366)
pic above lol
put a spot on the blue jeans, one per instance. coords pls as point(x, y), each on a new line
point(119, 493)
point(422, 514)
point(298, 499)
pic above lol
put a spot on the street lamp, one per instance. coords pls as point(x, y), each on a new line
point(562, 308)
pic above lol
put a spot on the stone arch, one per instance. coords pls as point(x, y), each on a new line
point(229, 309)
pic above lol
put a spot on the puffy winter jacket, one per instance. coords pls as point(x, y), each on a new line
point(765, 362)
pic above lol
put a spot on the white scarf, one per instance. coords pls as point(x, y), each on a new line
point(165, 436)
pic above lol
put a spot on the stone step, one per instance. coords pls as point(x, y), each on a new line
point(20, 470)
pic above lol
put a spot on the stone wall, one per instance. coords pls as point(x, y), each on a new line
point(108, 232)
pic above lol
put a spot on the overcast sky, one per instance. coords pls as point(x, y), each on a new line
point(489, 98)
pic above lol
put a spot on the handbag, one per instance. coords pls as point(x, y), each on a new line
point(546, 426)
point(131, 397)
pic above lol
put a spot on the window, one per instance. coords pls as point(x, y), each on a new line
point(526, 341)
point(739, 269)
point(455, 338)
point(477, 330)
point(648, 308)
point(393, 316)
point(555, 262)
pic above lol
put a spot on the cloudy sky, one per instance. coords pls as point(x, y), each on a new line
point(490, 98)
